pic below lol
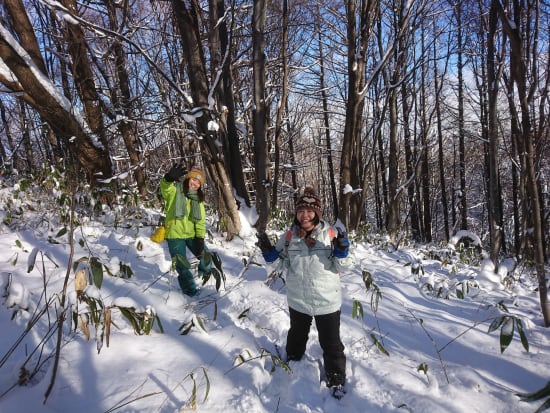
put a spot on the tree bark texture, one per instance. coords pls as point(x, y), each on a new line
point(519, 73)
point(187, 18)
point(55, 109)
point(263, 179)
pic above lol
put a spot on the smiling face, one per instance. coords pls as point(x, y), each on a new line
point(194, 184)
point(306, 218)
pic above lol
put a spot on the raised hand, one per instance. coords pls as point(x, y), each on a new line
point(176, 172)
point(341, 245)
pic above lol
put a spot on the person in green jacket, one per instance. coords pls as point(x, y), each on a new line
point(185, 223)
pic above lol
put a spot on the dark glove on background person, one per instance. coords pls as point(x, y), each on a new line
point(199, 246)
point(176, 172)
point(269, 252)
point(341, 245)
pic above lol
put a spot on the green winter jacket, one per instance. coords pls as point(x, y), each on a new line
point(183, 227)
point(312, 274)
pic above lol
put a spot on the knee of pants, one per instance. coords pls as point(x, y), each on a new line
point(183, 271)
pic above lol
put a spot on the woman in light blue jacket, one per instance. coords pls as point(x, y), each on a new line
point(312, 256)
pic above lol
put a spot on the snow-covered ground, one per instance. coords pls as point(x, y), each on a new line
point(416, 348)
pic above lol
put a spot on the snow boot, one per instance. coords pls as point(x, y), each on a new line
point(338, 391)
point(335, 382)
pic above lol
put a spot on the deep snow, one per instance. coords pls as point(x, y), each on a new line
point(440, 355)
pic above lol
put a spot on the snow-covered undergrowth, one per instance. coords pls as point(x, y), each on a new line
point(425, 328)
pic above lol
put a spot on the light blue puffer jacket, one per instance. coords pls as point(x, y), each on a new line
point(312, 274)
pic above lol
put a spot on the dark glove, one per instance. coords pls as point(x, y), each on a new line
point(269, 252)
point(199, 246)
point(341, 245)
point(176, 172)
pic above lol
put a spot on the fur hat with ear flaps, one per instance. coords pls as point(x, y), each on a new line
point(310, 199)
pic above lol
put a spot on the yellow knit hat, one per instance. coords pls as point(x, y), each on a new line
point(196, 173)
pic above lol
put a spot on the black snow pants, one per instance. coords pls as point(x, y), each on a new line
point(328, 328)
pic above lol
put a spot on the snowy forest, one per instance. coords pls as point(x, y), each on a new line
point(423, 125)
point(414, 118)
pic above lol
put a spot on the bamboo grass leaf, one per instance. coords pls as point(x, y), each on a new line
point(522, 335)
point(506, 333)
point(536, 395)
point(32, 260)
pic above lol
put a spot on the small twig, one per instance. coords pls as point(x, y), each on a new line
point(464, 332)
point(123, 403)
point(263, 354)
point(61, 316)
point(27, 330)
point(133, 400)
point(438, 351)
point(154, 282)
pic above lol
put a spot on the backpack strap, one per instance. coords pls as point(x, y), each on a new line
point(331, 233)
point(288, 237)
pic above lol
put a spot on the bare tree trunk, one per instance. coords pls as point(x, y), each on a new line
point(410, 162)
point(221, 54)
point(382, 197)
point(518, 190)
point(351, 116)
point(518, 66)
point(393, 221)
point(493, 187)
point(27, 38)
point(26, 138)
point(127, 125)
point(292, 157)
point(53, 109)
point(7, 130)
point(380, 186)
point(424, 161)
point(263, 179)
point(281, 107)
point(440, 149)
point(356, 55)
point(326, 123)
point(461, 132)
point(399, 56)
point(187, 18)
point(83, 75)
